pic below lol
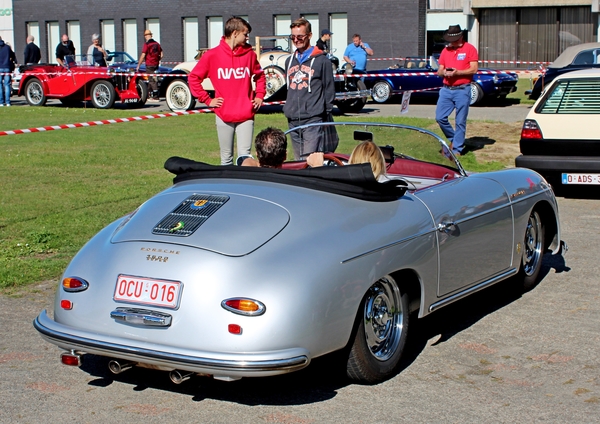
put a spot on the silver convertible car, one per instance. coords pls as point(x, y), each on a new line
point(239, 272)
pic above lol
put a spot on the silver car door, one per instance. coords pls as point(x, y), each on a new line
point(475, 230)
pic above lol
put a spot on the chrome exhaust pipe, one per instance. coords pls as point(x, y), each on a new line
point(179, 377)
point(117, 367)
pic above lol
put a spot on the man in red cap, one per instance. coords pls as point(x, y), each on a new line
point(458, 64)
point(152, 53)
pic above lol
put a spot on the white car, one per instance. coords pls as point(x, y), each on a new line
point(179, 97)
point(560, 138)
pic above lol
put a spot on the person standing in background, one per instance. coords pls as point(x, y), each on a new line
point(65, 51)
point(152, 54)
point(96, 55)
point(32, 54)
point(231, 67)
point(457, 64)
point(7, 66)
point(322, 42)
point(356, 53)
point(310, 92)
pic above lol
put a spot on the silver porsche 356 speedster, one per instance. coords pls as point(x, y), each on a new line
point(241, 272)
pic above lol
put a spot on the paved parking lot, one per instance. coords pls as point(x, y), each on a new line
point(498, 357)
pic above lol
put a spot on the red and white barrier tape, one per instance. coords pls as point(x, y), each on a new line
point(116, 121)
point(424, 59)
point(110, 74)
point(120, 120)
point(104, 122)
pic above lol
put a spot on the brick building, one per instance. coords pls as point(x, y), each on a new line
point(182, 26)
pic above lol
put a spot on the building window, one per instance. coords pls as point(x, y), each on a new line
point(190, 38)
point(108, 34)
point(74, 33)
point(339, 40)
point(130, 41)
point(215, 31)
point(53, 32)
point(282, 27)
point(154, 26)
point(315, 28)
point(33, 28)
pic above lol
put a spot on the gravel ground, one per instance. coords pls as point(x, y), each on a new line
point(497, 357)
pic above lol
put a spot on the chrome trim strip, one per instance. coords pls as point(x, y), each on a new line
point(471, 290)
point(387, 246)
point(213, 364)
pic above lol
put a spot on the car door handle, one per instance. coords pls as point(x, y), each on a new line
point(446, 227)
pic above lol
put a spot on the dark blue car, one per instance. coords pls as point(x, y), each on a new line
point(419, 76)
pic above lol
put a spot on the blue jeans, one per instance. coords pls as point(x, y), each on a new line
point(5, 89)
point(448, 101)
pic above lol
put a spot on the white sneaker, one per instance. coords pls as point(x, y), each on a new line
point(1, 105)
point(7, 105)
point(150, 99)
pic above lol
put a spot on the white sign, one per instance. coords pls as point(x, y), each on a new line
point(405, 102)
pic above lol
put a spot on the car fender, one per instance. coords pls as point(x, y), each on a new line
point(43, 79)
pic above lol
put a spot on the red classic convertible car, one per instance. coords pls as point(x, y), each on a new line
point(101, 86)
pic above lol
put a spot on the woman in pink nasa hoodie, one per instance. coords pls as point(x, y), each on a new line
point(231, 66)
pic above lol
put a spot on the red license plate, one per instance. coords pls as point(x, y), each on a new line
point(148, 291)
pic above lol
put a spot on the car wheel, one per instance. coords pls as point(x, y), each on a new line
point(142, 91)
point(354, 105)
point(275, 79)
point(103, 94)
point(476, 93)
point(179, 97)
point(380, 334)
point(533, 251)
point(34, 93)
point(381, 92)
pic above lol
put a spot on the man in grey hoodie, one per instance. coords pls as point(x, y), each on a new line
point(310, 90)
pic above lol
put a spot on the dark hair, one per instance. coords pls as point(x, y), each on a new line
point(271, 147)
point(356, 36)
point(302, 22)
point(235, 23)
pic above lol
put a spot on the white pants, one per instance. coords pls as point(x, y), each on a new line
point(226, 132)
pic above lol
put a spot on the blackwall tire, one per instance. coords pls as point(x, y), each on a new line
point(533, 252)
point(34, 92)
point(102, 94)
point(380, 335)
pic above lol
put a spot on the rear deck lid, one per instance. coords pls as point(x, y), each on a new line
point(230, 224)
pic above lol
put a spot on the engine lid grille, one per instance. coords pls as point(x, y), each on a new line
point(187, 217)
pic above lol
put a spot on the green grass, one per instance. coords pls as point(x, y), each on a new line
point(525, 83)
point(61, 187)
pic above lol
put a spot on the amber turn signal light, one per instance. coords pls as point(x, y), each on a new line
point(74, 284)
point(244, 306)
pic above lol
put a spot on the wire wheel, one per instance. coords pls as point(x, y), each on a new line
point(179, 96)
point(103, 94)
point(34, 93)
point(382, 92)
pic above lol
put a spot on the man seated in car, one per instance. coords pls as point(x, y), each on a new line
point(271, 149)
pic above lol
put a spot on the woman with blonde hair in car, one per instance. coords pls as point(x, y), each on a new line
point(365, 152)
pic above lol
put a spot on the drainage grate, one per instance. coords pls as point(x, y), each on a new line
point(189, 215)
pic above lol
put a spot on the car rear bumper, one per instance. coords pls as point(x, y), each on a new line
point(544, 164)
point(232, 366)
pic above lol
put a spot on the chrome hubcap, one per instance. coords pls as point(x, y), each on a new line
point(383, 318)
point(533, 244)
